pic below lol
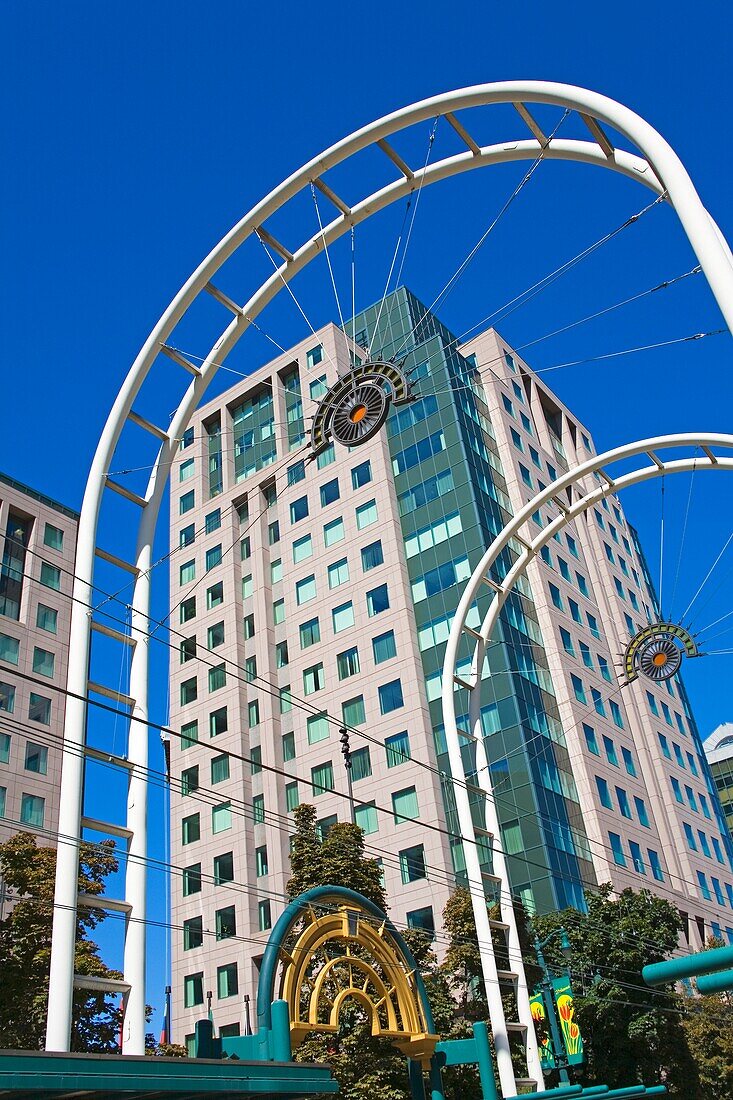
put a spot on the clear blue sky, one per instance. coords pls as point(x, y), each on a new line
point(134, 135)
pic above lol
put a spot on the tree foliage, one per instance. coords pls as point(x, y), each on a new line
point(336, 860)
point(25, 948)
point(632, 1034)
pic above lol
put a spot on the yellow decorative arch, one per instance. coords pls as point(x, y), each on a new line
point(347, 955)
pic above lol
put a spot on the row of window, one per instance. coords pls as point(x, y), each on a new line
point(717, 889)
point(666, 714)
point(691, 797)
point(599, 704)
point(43, 660)
point(575, 611)
point(637, 859)
point(606, 800)
point(39, 707)
point(609, 747)
point(36, 756)
point(583, 649)
point(704, 845)
point(678, 754)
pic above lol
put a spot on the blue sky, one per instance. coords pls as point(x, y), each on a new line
point(134, 135)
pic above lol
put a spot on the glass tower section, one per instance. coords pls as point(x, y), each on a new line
point(452, 501)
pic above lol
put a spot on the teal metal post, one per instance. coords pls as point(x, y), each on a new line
point(548, 996)
point(436, 1078)
point(417, 1085)
point(485, 1065)
point(280, 1034)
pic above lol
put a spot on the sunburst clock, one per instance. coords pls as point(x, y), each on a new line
point(656, 651)
point(357, 405)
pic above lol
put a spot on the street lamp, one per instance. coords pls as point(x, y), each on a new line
point(346, 750)
point(548, 996)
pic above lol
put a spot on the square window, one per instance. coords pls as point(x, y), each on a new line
point(264, 916)
point(314, 356)
point(7, 698)
point(296, 473)
point(258, 809)
point(188, 609)
point(189, 734)
point(213, 557)
point(46, 619)
point(334, 532)
point(372, 556)
point(221, 817)
point(273, 532)
point(288, 745)
point(248, 627)
point(390, 697)
point(377, 600)
point(191, 829)
point(186, 470)
point(292, 798)
point(361, 474)
point(253, 713)
point(384, 647)
point(326, 457)
point(310, 633)
point(226, 922)
point(347, 663)
point(53, 537)
point(36, 758)
point(404, 805)
point(43, 662)
point(278, 612)
point(412, 864)
point(191, 879)
point(187, 572)
point(313, 679)
point(338, 573)
point(397, 748)
point(322, 778)
point(361, 764)
point(219, 768)
point(286, 699)
point(218, 722)
point(318, 728)
point(187, 536)
point(281, 655)
point(305, 590)
point(366, 818)
point(318, 388)
point(215, 595)
point(193, 990)
point(50, 576)
point(189, 780)
point(212, 522)
point(227, 982)
point(302, 549)
point(353, 711)
point(591, 740)
point(366, 514)
point(223, 868)
point(247, 586)
point(330, 492)
point(187, 650)
point(215, 635)
point(4, 749)
point(276, 571)
point(245, 549)
point(186, 502)
point(39, 708)
point(193, 933)
point(299, 509)
point(217, 677)
point(342, 617)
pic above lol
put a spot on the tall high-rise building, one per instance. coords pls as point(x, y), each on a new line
point(314, 594)
point(719, 751)
point(38, 547)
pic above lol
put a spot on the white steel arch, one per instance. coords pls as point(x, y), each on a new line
point(586, 491)
point(658, 167)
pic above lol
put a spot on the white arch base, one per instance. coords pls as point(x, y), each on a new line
point(576, 480)
point(655, 165)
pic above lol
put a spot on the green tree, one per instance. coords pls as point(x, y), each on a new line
point(336, 860)
point(631, 1033)
point(708, 1027)
point(25, 948)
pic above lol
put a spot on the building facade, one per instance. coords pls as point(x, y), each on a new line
point(37, 547)
point(719, 751)
point(311, 595)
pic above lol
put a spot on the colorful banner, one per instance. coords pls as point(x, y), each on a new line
point(572, 1038)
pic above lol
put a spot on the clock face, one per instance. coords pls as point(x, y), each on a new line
point(359, 414)
point(659, 658)
point(656, 651)
point(358, 403)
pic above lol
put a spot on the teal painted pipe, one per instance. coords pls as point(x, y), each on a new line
point(551, 1094)
point(436, 1080)
point(280, 1035)
point(715, 983)
point(489, 1090)
point(688, 967)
